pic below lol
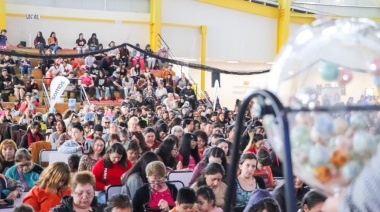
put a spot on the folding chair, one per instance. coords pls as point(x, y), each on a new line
point(59, 157)
point(183, 176)
point(44, 156)
point(112, 190)
point(178, 184)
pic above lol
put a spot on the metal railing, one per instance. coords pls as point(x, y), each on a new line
point(181, 69)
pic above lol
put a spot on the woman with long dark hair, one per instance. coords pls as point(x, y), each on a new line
point(97, 151)
point(127, 82)
point(53, 43)
point(150, 143)
point(136, 176)
point(188, 156)
point(212, 177)
point(162, 131)
point(110, 168)
point(212, 155)
point(169, 83)
point(32, 135)
point(40, 43)
point(101, 85)
point(60, 128)
point(167, 152)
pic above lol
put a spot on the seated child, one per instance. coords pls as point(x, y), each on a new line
point(206, 200)
point(185, 200)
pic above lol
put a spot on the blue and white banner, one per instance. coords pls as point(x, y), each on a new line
point(57, 87)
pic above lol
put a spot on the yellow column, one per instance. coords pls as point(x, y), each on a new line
point(283, 21)
point(155, 23)
point(203, 56)
point(3, 17)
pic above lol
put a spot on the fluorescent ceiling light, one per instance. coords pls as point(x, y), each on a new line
point(233, 61)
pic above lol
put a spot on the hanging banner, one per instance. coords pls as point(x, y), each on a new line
point(216, 90)
point(57, 87)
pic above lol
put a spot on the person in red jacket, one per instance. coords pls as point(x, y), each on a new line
point(110, 168)
point(29, 103)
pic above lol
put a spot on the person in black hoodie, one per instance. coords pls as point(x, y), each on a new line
point(93, 42)
point(101, 85)
point(83, 195)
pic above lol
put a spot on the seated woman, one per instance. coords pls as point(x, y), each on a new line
point(29, 103)
point(245, 181)
point(40, 43)
point(212, 177)
point(149, 143)
point(156, 194)
point(31, 85)
point(32, 135)
point(97, 150)
point(53, 43)
point(151, 61)
point(26, 118)
point(102, 86)
point(188, 156)
point(213, 155)
point(7, 118)
point(7, 154)
point(169, 83)
point(18, 88)
point(109, 169)
point(60, 128)
point(136, 176)
point(50, 188)
point(202, 139)
point(167, 153)
point(82, 196)
point(25, 67)
point(25, 170)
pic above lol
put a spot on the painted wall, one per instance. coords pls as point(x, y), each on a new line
point(67, 31)
point(231, 34)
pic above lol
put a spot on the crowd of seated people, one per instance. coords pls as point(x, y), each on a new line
point(137, 144)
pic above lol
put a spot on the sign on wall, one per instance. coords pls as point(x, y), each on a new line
point(33, 16)
point(330, 95)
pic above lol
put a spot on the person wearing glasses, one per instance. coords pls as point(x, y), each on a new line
point(156, 194)
point(82, 196)
point(25, 170)
point(52, 185)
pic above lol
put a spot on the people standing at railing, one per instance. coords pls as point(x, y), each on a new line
point(9, 64)
point(40, 43)
point(81, 44)
point(53, 42)
point(93, 42)
point(138, 57)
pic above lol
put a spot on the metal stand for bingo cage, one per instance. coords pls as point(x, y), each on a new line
point(275, 108)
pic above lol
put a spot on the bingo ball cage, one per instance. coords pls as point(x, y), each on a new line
point(318, 138)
